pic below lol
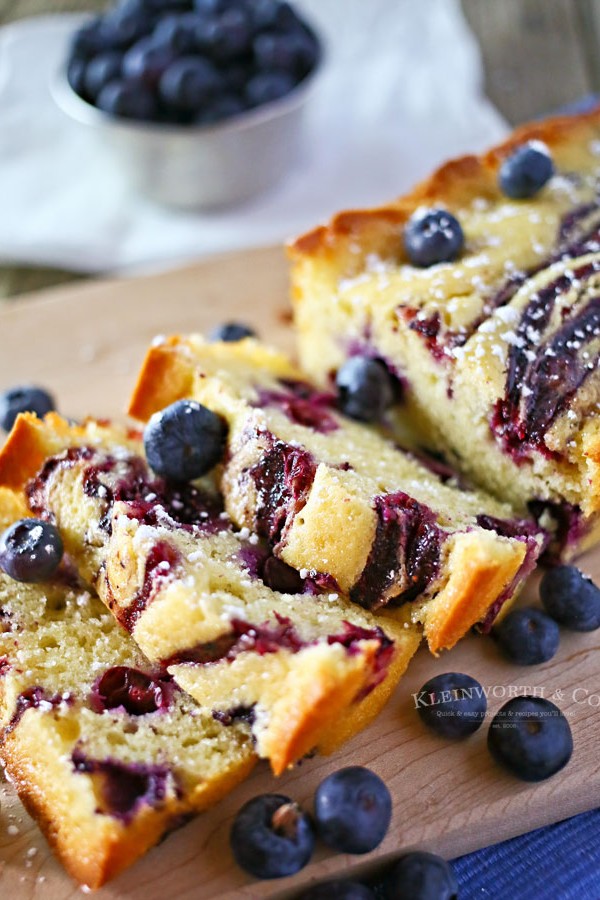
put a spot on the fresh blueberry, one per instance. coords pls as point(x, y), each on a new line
point(453, 705)
point(364, 389)
point(353, 810)
point(531, 737)
point(76, 75)
point(30, 550)
point(528, 636)
point(231, 332)
point(269, 14)
point(91, 38)
point(223, 107)
point(271, 837)
point(145, 62)
point(420, 876)
point(189, 82)
point(27, 398)
point(128, 100)
point(338, 890)
point(100, 70)
point(294, 53)
point(265, 87)
point(229, 35)
point(124, 26)
point(433, 236)
point(526, 171)
point(176, 33)
point(184, 441)
point(571, 598)
point(208, 7)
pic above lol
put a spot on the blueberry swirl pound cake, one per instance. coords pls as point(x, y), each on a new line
point(204, 602)
point(480, 293)
point(335, 500)
point(103, 748)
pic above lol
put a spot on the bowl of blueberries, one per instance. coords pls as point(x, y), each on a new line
point(202, 101)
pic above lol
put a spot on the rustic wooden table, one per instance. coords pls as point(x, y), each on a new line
point(538, 55)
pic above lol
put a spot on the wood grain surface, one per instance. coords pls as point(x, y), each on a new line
point(86, 343)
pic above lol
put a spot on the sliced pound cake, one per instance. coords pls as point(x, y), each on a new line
point(104, 750)
point(338, 502)
point(480, 293)
point(205, 602)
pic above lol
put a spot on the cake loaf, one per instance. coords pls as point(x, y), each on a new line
point(206, 602)
point(105, 751)
point(494, 350)
point(338, 502)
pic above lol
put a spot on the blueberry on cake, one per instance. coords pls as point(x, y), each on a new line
point(103, 748)
point(234, 626)
point(338, 503)
point(479, 295)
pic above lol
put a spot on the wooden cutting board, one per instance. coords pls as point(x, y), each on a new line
point(86, 344)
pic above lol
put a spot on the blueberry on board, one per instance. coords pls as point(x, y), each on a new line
point(353, 810)
point(530, 737)
point(231, 332)
point(100, 70)
point(184, 441)
point(30, 550)
point(364, 389)
point(528, 636)
point(25, 398)
point(188, 83)
point(145, 62)
point(271, 837)
point(265, 87)
point(338, 890)
point(453, 705)
point(128, 100)
point(420, 876)
point(433, 236)
point(526, 171)
point(571, 598)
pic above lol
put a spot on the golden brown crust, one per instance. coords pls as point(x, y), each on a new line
point(460, 178)
point(163, 379)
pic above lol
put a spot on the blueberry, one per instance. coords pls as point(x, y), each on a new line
point(176, 33)
point(528, 636)
point(571, 598)
point(223, 107)
point(530, 737)
point(128, 100)
point(353, 810)
point(184, 441)
point(294, 53)
point(265, 87)
point(433, 236)
point(420, 876)
point(146, 62)
point(76, 75)
point(230, 35)
point(208, 7)
point(364, 389)
point(271, 837)
point(26, 398)
point(124, 26)
point(100, 70)
point(188, 83)
point(30, 550)
point(231, 332)
point(453, 705)
point(91, 38)
point(338, 890)
point(526, 171)
point(269, 14)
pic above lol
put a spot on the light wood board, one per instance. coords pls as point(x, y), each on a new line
point(86, 343)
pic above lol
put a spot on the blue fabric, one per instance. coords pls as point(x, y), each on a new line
point(561, 862)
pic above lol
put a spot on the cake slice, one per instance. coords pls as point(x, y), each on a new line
point(206, 602)
point(104, 750)
point(497, 351)
point(338, 502)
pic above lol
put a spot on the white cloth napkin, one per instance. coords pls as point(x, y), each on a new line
point(401, 91)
